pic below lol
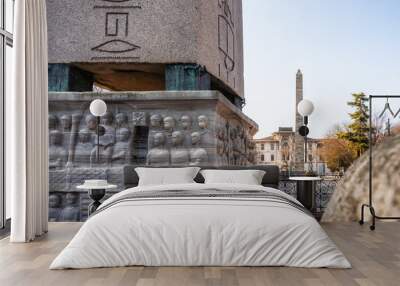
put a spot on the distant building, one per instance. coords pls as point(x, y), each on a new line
point(285, 147)
point(279, 149)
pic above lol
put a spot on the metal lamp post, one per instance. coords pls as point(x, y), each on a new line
point(98, 108)
point(305, 108)
point(305, 185)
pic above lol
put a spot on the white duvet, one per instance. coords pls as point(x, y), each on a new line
point(202, 232)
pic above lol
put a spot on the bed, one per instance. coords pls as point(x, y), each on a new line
point(199, 224)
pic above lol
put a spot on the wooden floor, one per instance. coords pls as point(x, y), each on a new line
point(375, 257)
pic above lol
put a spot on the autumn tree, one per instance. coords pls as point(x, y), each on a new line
point(337, 153)
point(357, 131)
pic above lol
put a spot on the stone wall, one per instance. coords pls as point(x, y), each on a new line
point(147, 128)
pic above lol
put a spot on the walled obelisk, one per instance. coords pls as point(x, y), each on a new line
point(298, 140)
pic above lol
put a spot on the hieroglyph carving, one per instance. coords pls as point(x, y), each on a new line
point(226, 40)
point(117, 15)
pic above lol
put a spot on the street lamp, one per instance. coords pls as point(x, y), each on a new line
point(305, 108)
point(98, 108)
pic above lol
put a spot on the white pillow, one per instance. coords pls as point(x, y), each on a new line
point(166, 176)
point(247, 177)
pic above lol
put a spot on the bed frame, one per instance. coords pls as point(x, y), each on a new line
point(270, 179)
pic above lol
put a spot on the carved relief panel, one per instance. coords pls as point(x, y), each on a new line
point(154, 132)
point(180, 139)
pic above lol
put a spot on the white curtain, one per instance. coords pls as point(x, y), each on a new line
point(27, 139)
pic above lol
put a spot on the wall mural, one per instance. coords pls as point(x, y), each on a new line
point(132, 136)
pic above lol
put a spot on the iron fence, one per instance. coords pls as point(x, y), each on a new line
point(323, 192)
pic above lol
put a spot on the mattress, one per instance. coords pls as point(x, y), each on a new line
point(201, 225)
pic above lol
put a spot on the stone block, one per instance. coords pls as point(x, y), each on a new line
point(166, 128)
point(159, 32)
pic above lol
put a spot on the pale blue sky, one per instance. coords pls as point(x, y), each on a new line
point(341, 46)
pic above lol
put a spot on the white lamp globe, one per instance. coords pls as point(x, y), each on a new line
point(98, 107)
point(305, 107)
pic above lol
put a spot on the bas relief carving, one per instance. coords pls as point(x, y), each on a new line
point(73, 139)
point(54, 207)
point(158, 155)
point(169, 124)
point(66, 123)
point(182, 140)
point(198, 156)
point(121, 148)
point(70, 212)
point(64, 211)
point(57, 153)
point(121, 120)
point(84, 147)
point(155, 121)
point(186, 122)
point(171, 137)
point(179, 154)
point(234, 144)
point(139, 119)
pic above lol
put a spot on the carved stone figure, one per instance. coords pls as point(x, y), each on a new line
point(252, 152)
point(58, 155)
point(221, 133)
point(91, 122)
point(222, 143)
point(158, 155)
point(235, 146)
point(105, 155)
point(71, 211)
point(54, 207)
point(121, 148)
point(66, 123)
point(155, 121)
point(241, 139)
point(72, 138)
point(53, 121)
point(198, 155)
point(169, 123)
point(107, 141)
point(107, 119)
point(85, 136)
point(202, 121)
point(84, 147)
point(221, 136)
point(121, 120)
point(207, 138)
point(139, 118)
point(179, 154)
point(232, 137)
point(186, 122)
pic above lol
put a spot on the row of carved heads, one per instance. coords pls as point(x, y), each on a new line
point(169, 123)
point(178, 154)
point(138, 118)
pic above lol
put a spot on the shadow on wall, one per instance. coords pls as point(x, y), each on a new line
point(352, 190)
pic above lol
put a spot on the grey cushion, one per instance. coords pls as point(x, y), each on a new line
point(270, 179)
